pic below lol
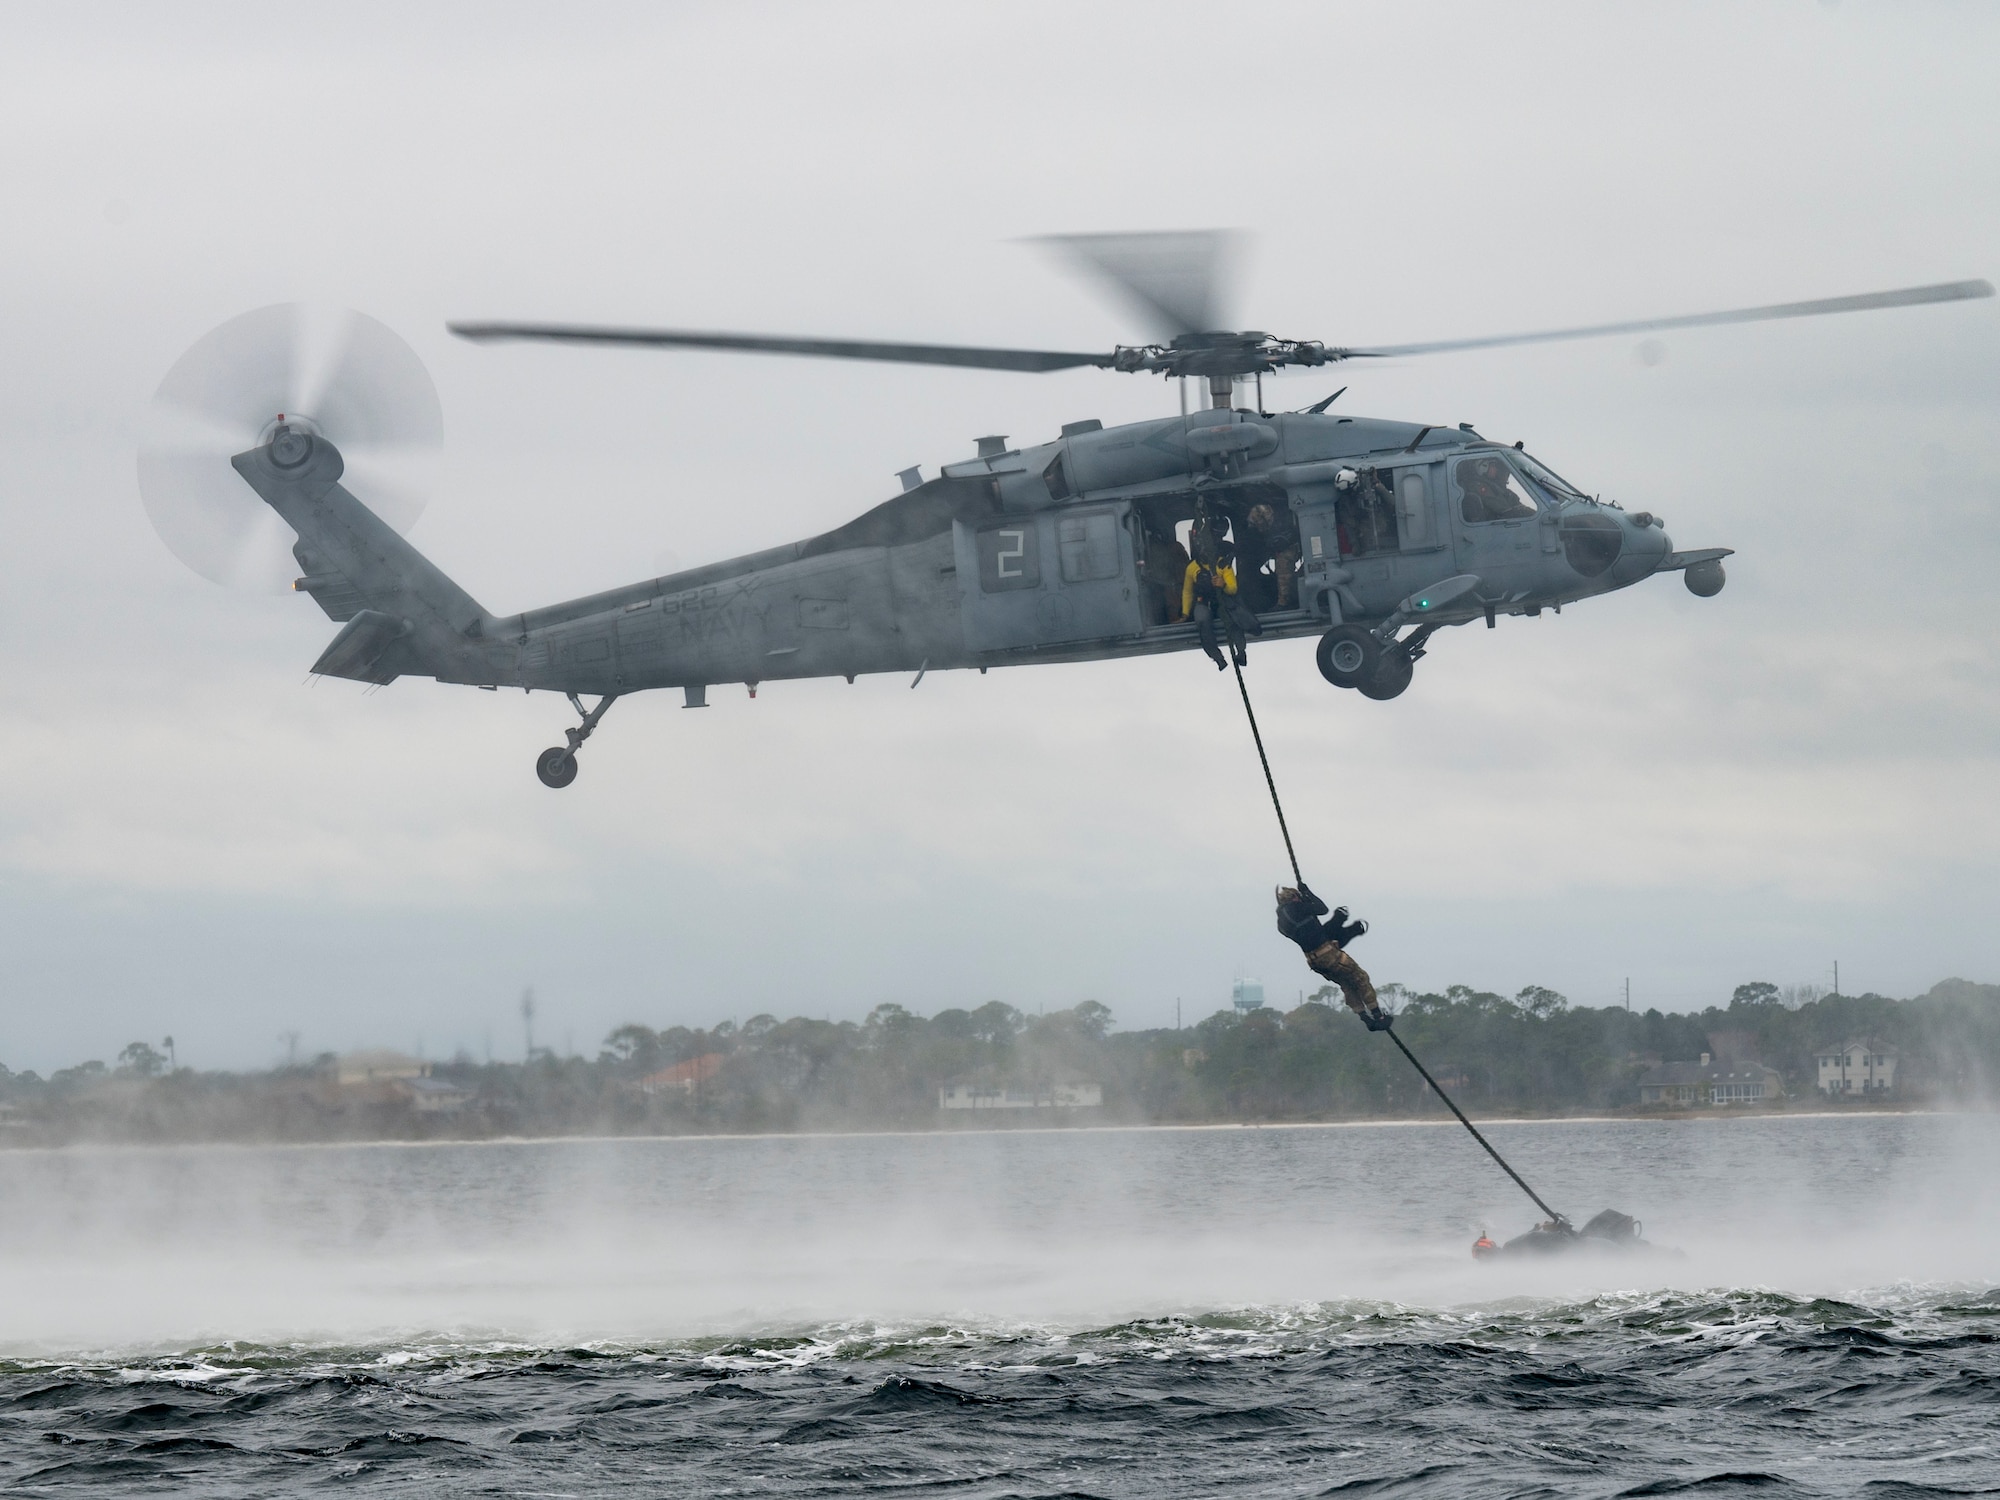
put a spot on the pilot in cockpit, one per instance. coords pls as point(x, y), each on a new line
point(1489, 495)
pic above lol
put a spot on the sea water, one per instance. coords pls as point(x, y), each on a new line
point(1241, 1311)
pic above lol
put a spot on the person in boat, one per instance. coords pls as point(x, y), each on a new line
point(1323, 938)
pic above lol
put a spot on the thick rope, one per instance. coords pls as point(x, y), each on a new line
point(1276, 806)
point(1558, 1218)
point(1283, 828)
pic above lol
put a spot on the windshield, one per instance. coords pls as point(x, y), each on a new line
point(1546, 477)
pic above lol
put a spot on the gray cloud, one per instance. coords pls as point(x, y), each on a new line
point(193, 839)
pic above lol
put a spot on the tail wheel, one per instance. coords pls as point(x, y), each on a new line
point(556, 766)
point(1392, 674)
point(1348, 656)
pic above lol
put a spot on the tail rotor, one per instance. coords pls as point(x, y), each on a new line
point(338, 373)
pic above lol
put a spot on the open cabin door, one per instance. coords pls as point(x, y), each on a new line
point(1048, 578)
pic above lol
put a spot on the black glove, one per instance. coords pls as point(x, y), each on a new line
point(1344, 931)
point(1311, 904)
point(1380, 1021)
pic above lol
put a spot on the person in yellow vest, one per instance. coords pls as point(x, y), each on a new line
point(1208, 593)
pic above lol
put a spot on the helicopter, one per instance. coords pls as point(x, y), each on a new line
point(1369, 534)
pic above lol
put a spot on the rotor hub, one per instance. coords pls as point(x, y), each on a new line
point(1224, 353)
point(290, 438)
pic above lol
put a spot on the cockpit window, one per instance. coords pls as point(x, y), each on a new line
point(1547, 478)
point(1490, 491)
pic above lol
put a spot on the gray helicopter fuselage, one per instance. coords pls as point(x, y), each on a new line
point(1039, 554)
point(1065, 551)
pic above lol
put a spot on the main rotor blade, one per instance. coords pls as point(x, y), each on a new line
point(1175, 279)
point(1944, 291)
point(1029, 360)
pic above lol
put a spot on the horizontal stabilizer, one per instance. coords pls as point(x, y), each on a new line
point(368, 649)
point(1674, 561)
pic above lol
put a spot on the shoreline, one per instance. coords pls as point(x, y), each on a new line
point(1676, 1118)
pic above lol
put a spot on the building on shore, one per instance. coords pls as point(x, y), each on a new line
point(684, 1076)
point(1710, 1082)
point(1860, 1065)
point(380, 1079)
point(433, 1096)
point(377, 1065)
point(967, 1095)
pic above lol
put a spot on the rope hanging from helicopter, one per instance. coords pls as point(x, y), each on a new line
point(1264, 760)
point(1291, 854)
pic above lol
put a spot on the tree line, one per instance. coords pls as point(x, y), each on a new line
point(1531, 1053)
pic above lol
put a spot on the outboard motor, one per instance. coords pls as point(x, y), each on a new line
point(1620, 1229)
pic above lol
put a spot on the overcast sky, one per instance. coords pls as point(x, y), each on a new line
point(195, 839)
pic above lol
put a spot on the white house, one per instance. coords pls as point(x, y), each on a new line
point(1860, 1065)
point(433, 1096)
point(1054, 1096)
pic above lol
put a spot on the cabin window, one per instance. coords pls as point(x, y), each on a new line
point(1089, 547)
point(1413, 508)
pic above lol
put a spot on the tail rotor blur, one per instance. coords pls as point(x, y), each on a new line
point(338, 373)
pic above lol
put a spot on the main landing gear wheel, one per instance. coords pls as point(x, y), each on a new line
point(556, 766)
point(1392, 675)
point(1348, 655)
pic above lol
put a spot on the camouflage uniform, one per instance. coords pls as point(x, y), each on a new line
point(1269, 541)
point(1324, 945)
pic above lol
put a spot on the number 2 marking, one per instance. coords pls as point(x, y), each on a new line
point(1002, 558)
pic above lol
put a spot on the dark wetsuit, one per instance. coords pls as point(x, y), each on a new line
point(1324, 945)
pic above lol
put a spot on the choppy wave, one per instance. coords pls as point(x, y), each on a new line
point(1891, 1393)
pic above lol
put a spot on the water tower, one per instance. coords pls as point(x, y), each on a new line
point(1247, 995)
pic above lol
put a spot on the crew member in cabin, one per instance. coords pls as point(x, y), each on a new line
point(1208, 594)
point(1268, 539)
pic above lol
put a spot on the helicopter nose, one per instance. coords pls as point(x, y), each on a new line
point(1646, 547)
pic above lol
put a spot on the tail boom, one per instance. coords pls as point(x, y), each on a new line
point(402, 614)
